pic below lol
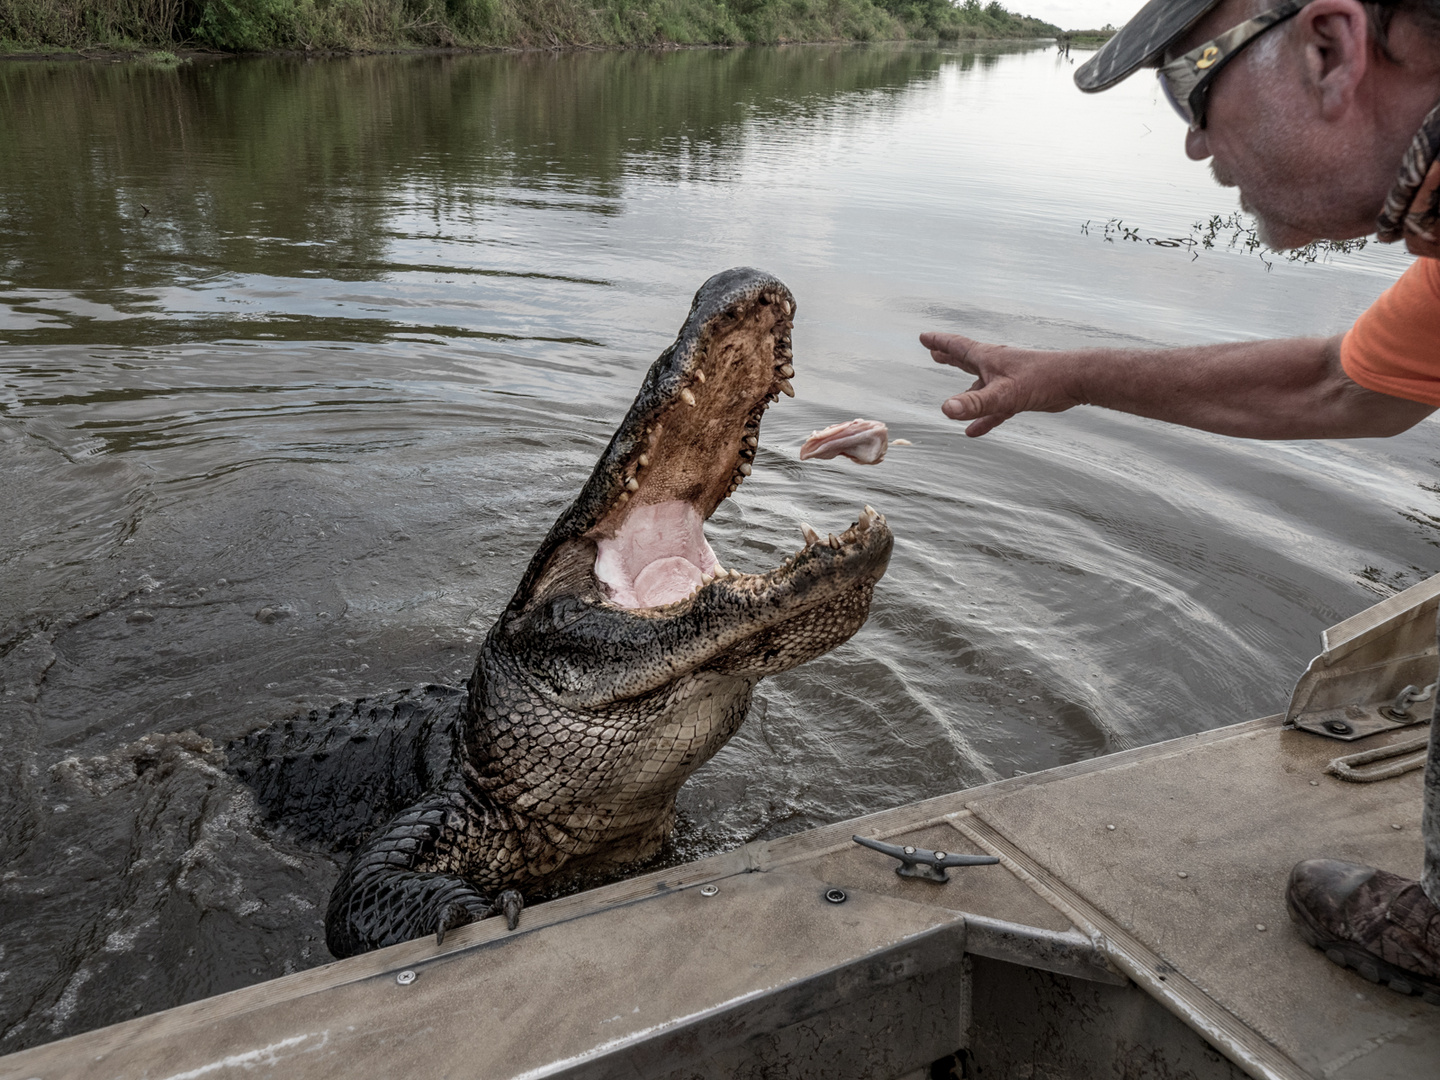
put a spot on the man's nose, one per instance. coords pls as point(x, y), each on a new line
point(1197, 145)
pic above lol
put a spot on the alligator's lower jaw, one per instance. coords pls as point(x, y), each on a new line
point(660, 557)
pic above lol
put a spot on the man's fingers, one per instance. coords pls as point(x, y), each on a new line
point(952, 349)
point(970, 405)
point(978, 406)
point(986, 424)
point(964, 363)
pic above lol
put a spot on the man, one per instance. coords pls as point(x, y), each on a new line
point(1324, 114)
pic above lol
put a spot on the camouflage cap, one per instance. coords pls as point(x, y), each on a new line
point(1140, 42)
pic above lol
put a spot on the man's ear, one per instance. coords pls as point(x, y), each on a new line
point(1336, 38)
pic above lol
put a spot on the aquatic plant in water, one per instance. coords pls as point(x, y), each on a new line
point(1235, 231)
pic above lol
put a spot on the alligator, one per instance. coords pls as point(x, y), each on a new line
point(628, 655)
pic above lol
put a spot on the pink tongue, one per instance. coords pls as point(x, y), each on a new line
point(666, 580)
point(657, 557)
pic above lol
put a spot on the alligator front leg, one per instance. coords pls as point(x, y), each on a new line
point(391, 891)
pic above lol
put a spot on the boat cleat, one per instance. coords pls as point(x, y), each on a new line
point(922, 863)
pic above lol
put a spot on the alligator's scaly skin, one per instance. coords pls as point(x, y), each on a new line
point(583, 717)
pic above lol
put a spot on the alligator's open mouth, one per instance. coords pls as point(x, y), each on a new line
point(690, 442)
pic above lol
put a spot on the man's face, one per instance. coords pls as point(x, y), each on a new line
point(1301, 178)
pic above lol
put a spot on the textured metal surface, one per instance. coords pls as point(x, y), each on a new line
point(1066, 953)
point(1348, 690)
point(1233, 814)
point(677, 975)
point(1042, 1025)
point(894, 1012)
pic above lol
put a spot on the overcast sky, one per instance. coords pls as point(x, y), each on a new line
point(1077, 14)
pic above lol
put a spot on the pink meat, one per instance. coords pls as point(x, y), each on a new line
point(864, 441)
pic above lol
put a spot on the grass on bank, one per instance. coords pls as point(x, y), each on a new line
point(1086, 39)
point(260, 25)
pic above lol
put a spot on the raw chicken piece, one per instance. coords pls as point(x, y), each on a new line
point(863, 441)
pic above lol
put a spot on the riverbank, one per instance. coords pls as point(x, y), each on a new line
point(37, 28)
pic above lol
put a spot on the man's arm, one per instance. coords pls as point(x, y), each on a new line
point(1289, 389)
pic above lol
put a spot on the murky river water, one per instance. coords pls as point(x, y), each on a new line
point(340, 339)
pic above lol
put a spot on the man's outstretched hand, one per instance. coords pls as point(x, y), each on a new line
point(1294, 388)
point(1007, 381)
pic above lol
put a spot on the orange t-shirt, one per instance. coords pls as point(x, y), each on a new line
point(1394, 348)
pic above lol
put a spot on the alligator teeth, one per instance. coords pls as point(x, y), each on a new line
point(785, 386)
point(643, 461)
point(687, 396)
point(751, 440)
point(744, 468)
point(632, 484)
point(867, 518)
point(785, 307)
point(624, 496)
point(834, 541)
point(786, 370)
point(811, 536)
point(720, 572)
point(706, 579)
point(700, 376)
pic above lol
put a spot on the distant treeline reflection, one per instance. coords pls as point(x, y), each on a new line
point(285, 168)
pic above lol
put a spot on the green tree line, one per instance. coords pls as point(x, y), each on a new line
point(349, 25)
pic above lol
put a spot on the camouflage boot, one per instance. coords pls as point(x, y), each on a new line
point(1382, 925)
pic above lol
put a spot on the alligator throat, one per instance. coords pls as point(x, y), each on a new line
point(657, 556)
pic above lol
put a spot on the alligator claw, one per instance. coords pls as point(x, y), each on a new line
point(452, 915)
point(510, 902)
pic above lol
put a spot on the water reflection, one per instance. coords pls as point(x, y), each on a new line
point(290, 168)
point(383, 314)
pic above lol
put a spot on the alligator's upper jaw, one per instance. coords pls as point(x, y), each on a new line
point(694, 442)
point(688, 442)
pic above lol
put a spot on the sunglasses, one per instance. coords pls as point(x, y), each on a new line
point(1186, 80)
